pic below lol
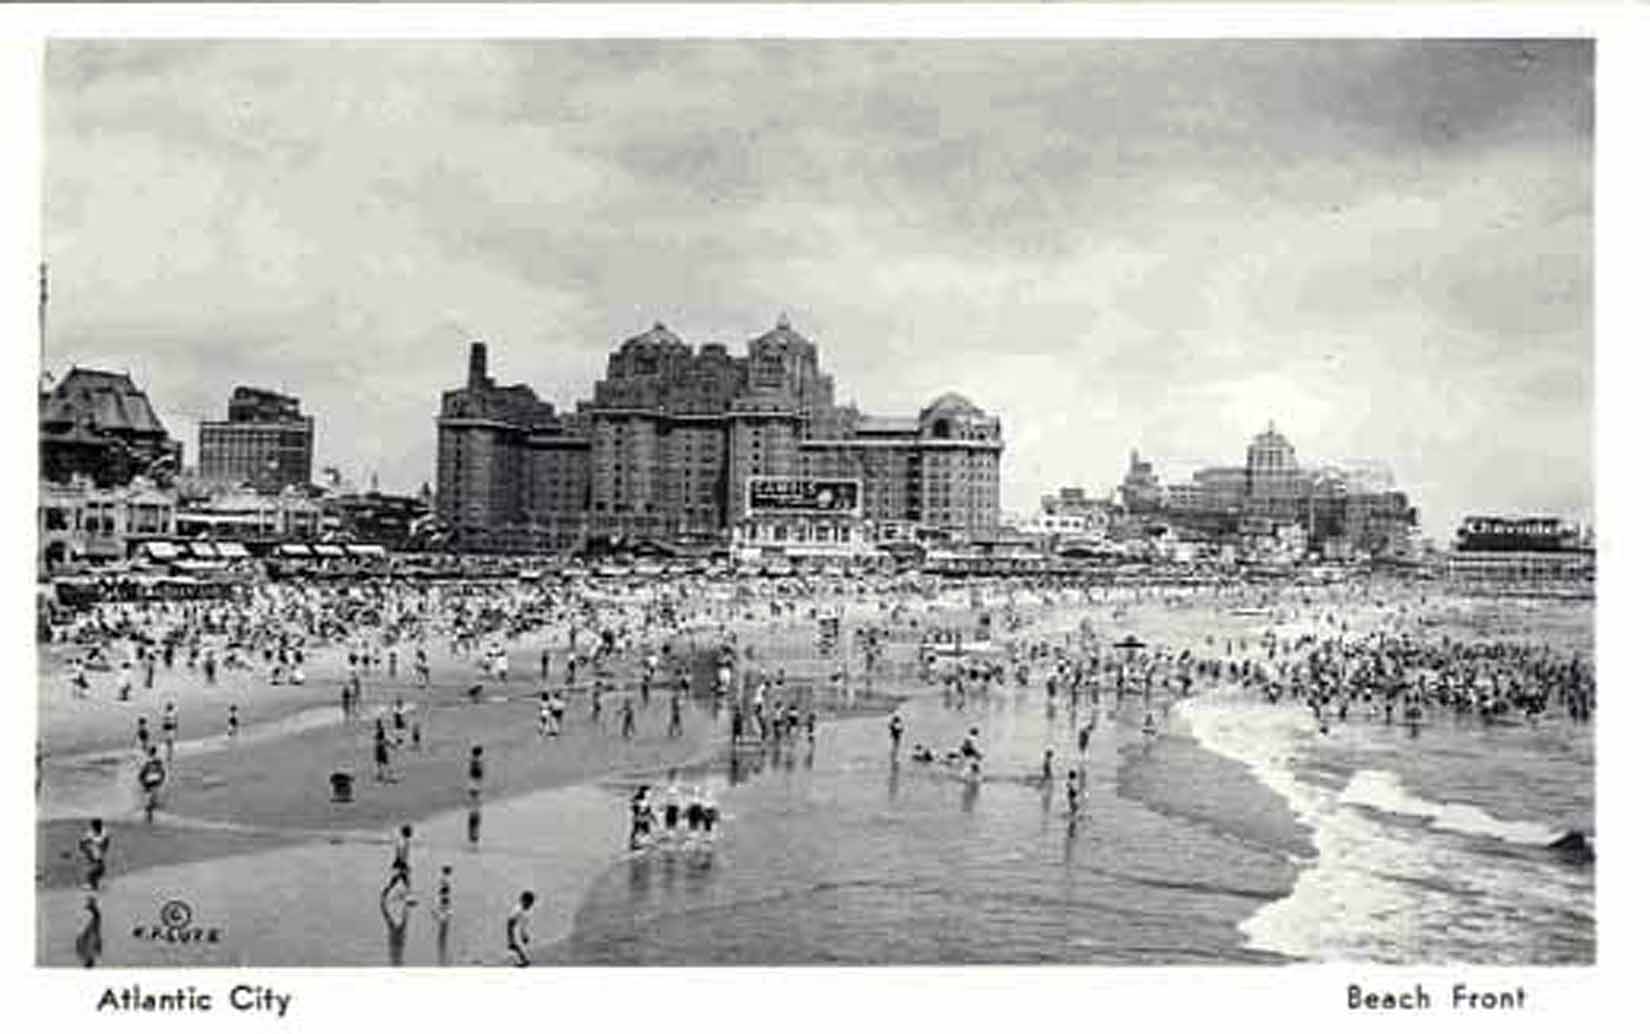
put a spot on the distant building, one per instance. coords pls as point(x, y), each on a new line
point(1519, 550)
point(266, 442)
point(1343, 509)
point(99, 425)
point(80, 523)
point(249, 516)
point(1141, 492)
point(386, 520)
point(670, 441)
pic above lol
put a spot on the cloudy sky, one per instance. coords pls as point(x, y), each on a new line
point(1384, 246)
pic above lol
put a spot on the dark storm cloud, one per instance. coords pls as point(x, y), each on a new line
point(1385, 245)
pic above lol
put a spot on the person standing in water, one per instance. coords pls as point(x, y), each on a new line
point(443, 913)
point(395, 908)
point(88, 944)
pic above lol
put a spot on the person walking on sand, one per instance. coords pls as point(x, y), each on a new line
point(627, 719)
point(516, 936)
point(94, 848)
point(381, 752)
point(151, 776)
point(234, 722)
point(169, 728)
point(401, 861)
point(675, 728)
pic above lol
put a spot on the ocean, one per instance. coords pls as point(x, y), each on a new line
point(1240, 835)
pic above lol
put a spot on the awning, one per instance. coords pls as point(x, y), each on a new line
point(232, 551)
point(327, 549)
point(203, 550)
point(293, 549)
point(366, 550)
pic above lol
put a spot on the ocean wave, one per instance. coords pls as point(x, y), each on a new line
point(1385, 886)
point(1383, 791)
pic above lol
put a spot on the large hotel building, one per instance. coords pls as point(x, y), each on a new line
point(670, 441)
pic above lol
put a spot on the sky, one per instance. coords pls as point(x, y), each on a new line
point(1383, 246)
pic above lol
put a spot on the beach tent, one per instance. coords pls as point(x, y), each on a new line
point(293, 549)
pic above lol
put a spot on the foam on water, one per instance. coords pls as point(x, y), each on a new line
point(1383, 791)
point(1386, 888)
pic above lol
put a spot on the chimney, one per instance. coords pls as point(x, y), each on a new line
point(478, 364)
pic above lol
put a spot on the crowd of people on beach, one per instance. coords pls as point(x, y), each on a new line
point(621, 646)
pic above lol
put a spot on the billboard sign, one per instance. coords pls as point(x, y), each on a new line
point(766, 495)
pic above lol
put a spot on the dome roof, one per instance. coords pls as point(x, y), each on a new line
point(657, 335)
point(951, 403)
point(782, 336)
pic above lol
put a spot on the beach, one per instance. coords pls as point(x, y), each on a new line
point(1218, 839)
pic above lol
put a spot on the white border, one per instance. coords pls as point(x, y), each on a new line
point(1305, 997)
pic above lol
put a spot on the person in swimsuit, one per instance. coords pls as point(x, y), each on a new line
point(401, 863)
point(94, 848)
point(516, 937)
point(88, 944)
point(673, 808)
point(641, 818)
point(443, 913)
point(150, 778)
point(395, 908)
point(476, 772)
point(169, 728)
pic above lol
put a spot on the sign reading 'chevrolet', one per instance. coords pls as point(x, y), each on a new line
point(778, 495)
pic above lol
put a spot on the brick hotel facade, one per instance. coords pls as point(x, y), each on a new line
point(666, 444)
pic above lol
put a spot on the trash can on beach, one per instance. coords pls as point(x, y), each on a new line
point(343, 787)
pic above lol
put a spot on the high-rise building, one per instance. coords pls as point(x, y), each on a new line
point(1351, 504)
point(99, 425)
point(266, 442)
point(672, 436)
